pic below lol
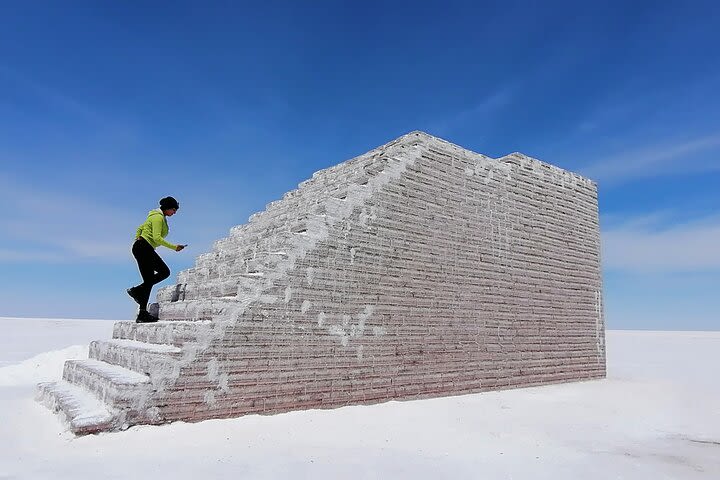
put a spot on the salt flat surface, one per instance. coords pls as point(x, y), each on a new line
point(657, 416)
point(23, 338)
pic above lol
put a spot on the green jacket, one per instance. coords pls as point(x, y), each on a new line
point(155, 229)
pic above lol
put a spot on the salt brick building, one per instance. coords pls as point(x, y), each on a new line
point(419, 269)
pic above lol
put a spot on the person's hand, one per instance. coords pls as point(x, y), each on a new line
point(180, 247)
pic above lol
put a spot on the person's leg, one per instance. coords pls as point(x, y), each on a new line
point(152, 269)
point(162, 272)
point(146, 260)
point(161, 269)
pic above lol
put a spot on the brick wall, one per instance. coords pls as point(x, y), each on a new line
point(456, 274)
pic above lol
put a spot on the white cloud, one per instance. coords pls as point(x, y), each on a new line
point(11, 256)
point(48, 225)
point(52, 227)
point(639, 245)
point(657, 160)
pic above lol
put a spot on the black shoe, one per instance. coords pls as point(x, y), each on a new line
point(144, 317)
point(133, 292)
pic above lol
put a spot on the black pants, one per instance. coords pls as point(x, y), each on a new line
point(152, 268)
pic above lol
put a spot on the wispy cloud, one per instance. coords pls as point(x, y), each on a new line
point(53, 227)
point(482, 111)
point(605, 115)
point(42, 224)
point(52, 95)
point(658, 160)
point(8, 255)
point(102, 131)
point(642, 245)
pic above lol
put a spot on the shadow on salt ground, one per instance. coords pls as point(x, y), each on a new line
point(680, 454)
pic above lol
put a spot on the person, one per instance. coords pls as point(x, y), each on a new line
point(150, 235)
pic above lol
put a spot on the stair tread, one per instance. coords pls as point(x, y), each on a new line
point(81, 407)
point(162, 323)
point(115, 373)
point(148, 347)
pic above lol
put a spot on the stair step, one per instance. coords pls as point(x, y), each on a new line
point(81, 410)
point(197, 310)
point(143, 346)
point(170, 293)
point(114, 373)
point(114, 385)
point(276, 220)
point(228, 264)
point(248, 248)
point(230, 285)
point(147, 358)
point(175, 333)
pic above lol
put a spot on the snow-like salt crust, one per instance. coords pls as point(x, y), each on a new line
point(83, 408)
point(119, 375)
point(44, 367)
point(149, 347)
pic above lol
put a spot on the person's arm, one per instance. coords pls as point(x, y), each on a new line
point(156, 222)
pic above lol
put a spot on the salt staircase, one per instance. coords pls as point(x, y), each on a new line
point(117, 385)
point(418, 269)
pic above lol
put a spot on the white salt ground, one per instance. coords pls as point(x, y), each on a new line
point(657, 416)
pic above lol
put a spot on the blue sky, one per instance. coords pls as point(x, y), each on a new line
point(107, 107)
